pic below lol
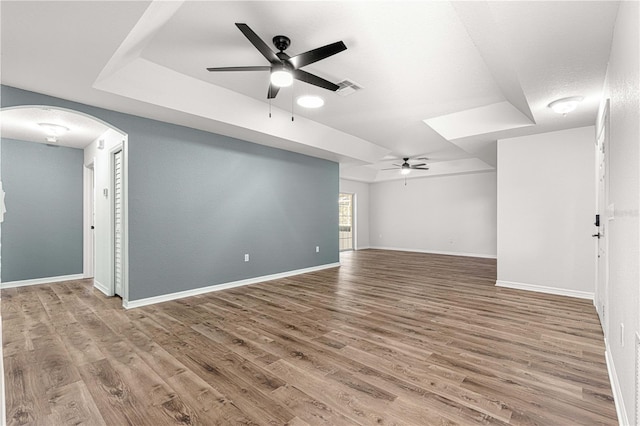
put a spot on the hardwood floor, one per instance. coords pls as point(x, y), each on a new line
point(387, 338)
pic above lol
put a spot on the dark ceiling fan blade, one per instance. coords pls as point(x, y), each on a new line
point(392, 168)
point(418, 165)
point(258, 68)
point(273, 91)
point(316, 55)
point(397, 165)
point(258, 43)
point(314, 79)
point(419, 168)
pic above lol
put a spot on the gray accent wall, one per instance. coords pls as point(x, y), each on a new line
point(42, 229)
point(198, 202)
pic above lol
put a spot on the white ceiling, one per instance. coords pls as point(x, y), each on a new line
point(441, 79)
point(23, 124)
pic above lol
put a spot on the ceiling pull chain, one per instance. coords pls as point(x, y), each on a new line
point(269, 107)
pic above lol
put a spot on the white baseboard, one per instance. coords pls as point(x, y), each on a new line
point(3, 403)
point(47, 280)
point(446, 253)
point(196, 291)
point(615, 389)
point(544, 289)
point(103, 288)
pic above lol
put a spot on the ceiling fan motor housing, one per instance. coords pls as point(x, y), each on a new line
point(281, 42)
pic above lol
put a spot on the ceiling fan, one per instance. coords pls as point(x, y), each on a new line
point(405, 168)
point(285, 68)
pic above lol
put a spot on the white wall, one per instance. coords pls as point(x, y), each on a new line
point(546, 198)
point(443, 214)
point(361, 191)
point(622, 88)
point(103, 274)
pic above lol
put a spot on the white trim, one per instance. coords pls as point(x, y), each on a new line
point(125, 225)
point(88, 206)
point(544, 289)
point(615, 388)
point(224, 286)
point(637, 384)
point(122, 146)
point(362, 248)
point(3, 407)
point(446, 253)
point(103, 288)
point(47, 280)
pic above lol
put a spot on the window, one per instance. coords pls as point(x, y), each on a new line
point(345, 221)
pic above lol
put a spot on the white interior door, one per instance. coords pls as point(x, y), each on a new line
point(89, 221)
point(117, 222)
point(92, 220)
point(602, 264)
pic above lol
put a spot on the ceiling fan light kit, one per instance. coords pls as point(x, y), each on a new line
point(281, 78)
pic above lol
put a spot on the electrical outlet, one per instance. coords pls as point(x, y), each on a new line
point(317, 249)
point(246, 257)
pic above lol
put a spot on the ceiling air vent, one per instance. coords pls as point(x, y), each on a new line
point(348, 87)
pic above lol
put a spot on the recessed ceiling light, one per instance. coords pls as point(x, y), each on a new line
point(310, 101)
point(53, 129)
point(565, 105)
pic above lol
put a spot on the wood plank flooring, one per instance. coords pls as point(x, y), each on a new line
point(388, 338)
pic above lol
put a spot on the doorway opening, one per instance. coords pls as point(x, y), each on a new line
point(92, 252)
point(346, 221)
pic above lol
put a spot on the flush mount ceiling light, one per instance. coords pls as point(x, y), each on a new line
point(53, 129)
point(310, 101)
point(406, 169)
point(51, 139)
point(565, 105)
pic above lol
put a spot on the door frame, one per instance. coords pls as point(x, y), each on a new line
point(122, 146)
point(602, 288)
point(353, 219)
point(88, 212)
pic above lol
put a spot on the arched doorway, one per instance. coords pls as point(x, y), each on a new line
point(53, 141)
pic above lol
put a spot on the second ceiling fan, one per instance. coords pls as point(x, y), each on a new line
point(285, 68)
point(405, 168)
